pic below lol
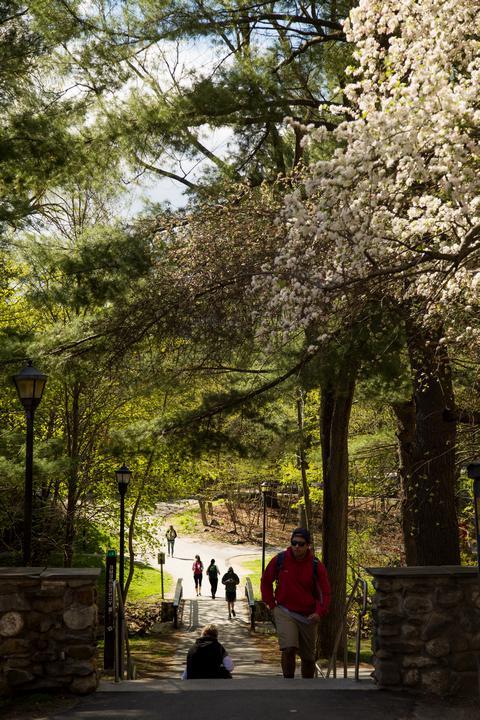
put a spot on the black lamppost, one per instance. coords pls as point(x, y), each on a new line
point(264, 488)
point(473, 471)
point(123, 478)
point(30, 384)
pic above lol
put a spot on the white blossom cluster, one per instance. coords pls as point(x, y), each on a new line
point(397, 206)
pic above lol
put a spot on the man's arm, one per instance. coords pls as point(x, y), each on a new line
point(323, 591)
point(266, 584)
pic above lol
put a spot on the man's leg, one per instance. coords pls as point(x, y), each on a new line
point(287, 634)
point(288, 662)
point(307, 648)
point(308, 668)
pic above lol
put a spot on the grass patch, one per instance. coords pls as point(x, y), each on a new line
point(254, 571)
point(146, 582)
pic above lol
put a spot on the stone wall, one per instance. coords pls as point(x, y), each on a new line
point(427, 628)
point(48, 623)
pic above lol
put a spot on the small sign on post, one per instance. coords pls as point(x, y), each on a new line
point(109, 633)
point(161, 562)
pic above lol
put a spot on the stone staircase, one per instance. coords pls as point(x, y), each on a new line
point(250, 669)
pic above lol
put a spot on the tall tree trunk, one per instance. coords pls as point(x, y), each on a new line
point(427, 451)
point(336, 404)
point(302, 457)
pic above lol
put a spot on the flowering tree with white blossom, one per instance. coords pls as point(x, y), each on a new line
point(395, 214)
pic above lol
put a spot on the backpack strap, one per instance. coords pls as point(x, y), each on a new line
point(279, 563)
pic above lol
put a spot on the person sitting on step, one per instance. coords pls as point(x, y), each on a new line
point(207, 658)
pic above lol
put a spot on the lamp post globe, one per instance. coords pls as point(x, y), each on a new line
point(30, 384)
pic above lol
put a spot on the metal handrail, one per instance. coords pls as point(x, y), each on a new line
point(177, 599)
point(119, 614)
point(251, 602)
point(332, 665)
point(360, 618)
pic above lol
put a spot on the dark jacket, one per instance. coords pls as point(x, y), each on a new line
point(205, 658)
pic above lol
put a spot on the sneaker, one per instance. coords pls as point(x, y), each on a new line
point(229, 616)
point(233, 613)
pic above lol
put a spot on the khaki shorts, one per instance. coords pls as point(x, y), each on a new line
point(294, 633)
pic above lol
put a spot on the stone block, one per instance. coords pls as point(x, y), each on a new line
point(81, 595)
point(464, 662)
point(15, 646)
point(383, 654)
point(388, 631)
point(475, 598)
point(13, 601)
point(439, 681)
point(470, 620)
point(385, 601)
point(438, 647)
point(411, 678)
point(48, 605)
point(387, 673)
point(404, 646)
point(78, 667)
point(418, 588)
point(80, 652)
point(11, 624)
point(468, 683)
point(17, 676)
point(52, 588)
point(458, 642)
point(450, 598)
point(385, 617)
point(474, 643)
point(417, 661)
point(436, 625)
point(410, 632)
point(84, 685)
point(417, 604)
point(79, 617)
point(19, 661)
point(56, 669)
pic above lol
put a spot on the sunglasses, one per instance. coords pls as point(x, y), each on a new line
point(298, 542)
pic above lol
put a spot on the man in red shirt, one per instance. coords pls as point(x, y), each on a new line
point(301, 597)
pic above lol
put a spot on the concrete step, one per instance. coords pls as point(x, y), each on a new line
point(171, 685)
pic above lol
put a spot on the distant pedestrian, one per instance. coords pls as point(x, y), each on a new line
point(301, 597)
point(207, 658)
point(213, 572)
point(197, 568)
point(171, 534)
point(230, 580)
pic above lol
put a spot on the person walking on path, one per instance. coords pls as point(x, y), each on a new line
point(197, 568)
point(301, 597)
point(171, 534)
point(213, 572)
point(230, 580)
point(207, 658)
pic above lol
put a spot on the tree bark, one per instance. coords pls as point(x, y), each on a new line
point(302, 457)
point(336, 404)
point(427, 453)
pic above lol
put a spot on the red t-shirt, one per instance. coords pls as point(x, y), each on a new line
point(197, 567)
point(295, 589)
